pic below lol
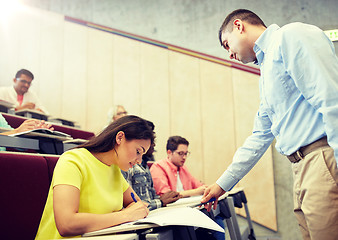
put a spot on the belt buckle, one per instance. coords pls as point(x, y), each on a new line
point(300, 155)
point(297, 156)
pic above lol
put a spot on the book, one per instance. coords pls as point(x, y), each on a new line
point(187, 202)
point(195, 201)
point(44, 132)
point(180, 216)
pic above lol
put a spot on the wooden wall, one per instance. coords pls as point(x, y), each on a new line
point(80, 72)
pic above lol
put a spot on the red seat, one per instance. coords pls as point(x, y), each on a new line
point(24, 185)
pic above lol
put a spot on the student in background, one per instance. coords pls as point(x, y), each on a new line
point(29, 124)
point(88, 191)
point(20, 95)
point(299, 107)
point(116, 112)
point(139, 178)
point(170, 174)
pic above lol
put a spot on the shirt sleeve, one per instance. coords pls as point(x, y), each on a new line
point(309, 58)
point(160, 179)
point(248, 155)
point(154, 204)
point(3, 123)
point(67, 171)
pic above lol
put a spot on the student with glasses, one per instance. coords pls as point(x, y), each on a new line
point(116, 112)
point(20, 95)
point(170, 174)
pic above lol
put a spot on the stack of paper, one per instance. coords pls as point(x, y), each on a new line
point(180, 216)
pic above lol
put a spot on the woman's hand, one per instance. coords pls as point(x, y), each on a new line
point(136, 211)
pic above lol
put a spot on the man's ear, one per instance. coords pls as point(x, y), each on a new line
point(14, 80)
point(238, 24)
point(169, 152)
point(119, 137)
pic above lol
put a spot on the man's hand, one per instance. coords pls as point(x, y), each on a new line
point(169, 197)
point(28, 105)
point(212, 191)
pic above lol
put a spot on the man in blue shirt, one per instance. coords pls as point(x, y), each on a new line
point(298, 107)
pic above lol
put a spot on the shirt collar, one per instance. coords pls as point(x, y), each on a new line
point(263, 42)
point(172, 166)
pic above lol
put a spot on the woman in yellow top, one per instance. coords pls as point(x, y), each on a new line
point(88, 191)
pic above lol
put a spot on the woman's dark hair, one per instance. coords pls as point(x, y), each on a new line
point(174, 141)
point(133, 127)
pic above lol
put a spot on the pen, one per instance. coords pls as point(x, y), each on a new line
point(210, 200)
point(133, 197)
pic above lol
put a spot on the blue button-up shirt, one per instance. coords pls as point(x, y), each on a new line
point(298, 96)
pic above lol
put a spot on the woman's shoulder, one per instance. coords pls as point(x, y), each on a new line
point(77, 154)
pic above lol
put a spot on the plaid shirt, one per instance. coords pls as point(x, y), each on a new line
point(139, 178)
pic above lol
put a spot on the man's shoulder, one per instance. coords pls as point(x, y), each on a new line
point(297, 28)
point(160, 165)
point(161, 162)
point(6, 89)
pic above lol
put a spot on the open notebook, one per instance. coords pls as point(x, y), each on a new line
point(44, 132)
point(180, 216)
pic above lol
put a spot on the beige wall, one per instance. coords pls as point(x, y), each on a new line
point(81, 72)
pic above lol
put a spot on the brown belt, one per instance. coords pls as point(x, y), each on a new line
point(303, 151)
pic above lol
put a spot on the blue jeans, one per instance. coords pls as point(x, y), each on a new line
point(220, 222)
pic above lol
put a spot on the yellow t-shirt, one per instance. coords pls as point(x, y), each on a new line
point(101, 187)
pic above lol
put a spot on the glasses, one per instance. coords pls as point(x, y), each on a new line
point(121, 113)
point(24, 81)
point(183, 153)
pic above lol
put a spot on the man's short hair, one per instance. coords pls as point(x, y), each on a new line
point(174, 141)
point(25, 72)
point(242, 14)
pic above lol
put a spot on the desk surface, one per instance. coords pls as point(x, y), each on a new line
point(126, 236)
point(15, 121)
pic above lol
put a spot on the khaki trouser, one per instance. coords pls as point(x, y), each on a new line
point(316, 194)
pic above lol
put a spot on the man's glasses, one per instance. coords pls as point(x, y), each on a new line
point(183, 153)
point(24, 81)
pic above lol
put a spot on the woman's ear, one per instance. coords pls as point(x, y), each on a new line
point(119, 137)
